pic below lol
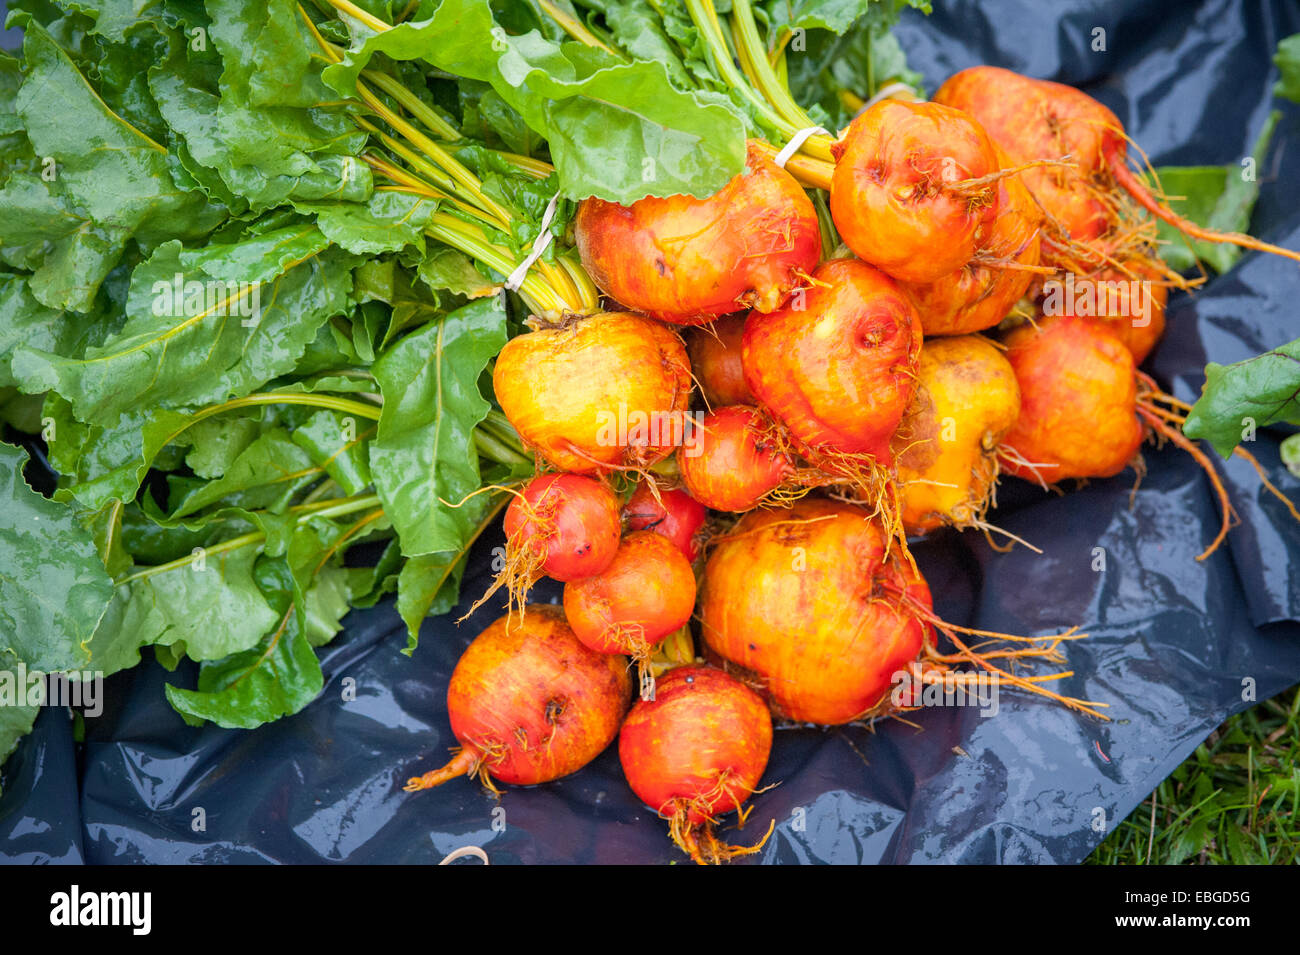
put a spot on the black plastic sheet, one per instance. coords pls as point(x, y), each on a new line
point(1175, 645)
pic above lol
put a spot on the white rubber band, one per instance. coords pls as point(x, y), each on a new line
point(543, 239)
point(463, 852)
point(797, 140)
point(887, 92)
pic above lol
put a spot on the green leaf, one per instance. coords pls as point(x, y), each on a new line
point(371, 584)
point(265, 475)
point(264, 152)
point(1218, 197)
point(277, 677)
point(327, 604)
point(115, 18)
point(105, 526)
point(859, 59)
point(16, 719)
point(115, 176)
point(213, 604)
point(423, 459)
point(428, 585)
point(203, 325)
point(1236, 399)
point(1287, 59)
point(834, 15)
point(445, 269)
point(218, 442)
point(386, 222)
point(616, 130)
point(25, 321)
point(53, 586)
point(485, 113)
point(337, 442)
point(1290, 453)
point(100, 464)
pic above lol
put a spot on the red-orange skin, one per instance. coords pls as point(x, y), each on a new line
point(702, 726)
point(838, 373)
point(891, 192)
point(1037, 119)
point(573, 520)
point(802, 599)
point(676, 516)
point(978, 296)
point(715, 360)
point(533, 701)
point(1078, 400)
point(687, 261)
point(646, 593)
point(734, 462)
point(564, 390)
point(1139, 338)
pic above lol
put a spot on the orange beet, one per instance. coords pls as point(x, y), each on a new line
point(1036, 119)
point(530, 703)
point(900, 194)
point(806, 601)
point(565, 526)
point(646, 593)
point(695, 752)
point(687, 260)
point(571, 523)
point(715, 360)
point(981, 293)
point(838, 372)
point(674, 515)
point(736, 460)
point(1131, 298)
point(606, 392)
point(1078, 401)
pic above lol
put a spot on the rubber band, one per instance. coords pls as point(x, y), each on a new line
point(463, 852)
point(797, 140)
point(543, 240)
point(887, 92)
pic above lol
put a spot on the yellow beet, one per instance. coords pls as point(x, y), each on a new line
point(967, 399)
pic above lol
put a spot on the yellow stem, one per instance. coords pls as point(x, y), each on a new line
point(574, 27)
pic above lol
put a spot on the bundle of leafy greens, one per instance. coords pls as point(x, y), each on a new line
point(252, 281)
point(253, 276)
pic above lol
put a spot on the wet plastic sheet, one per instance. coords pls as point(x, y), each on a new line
point(1172, 639)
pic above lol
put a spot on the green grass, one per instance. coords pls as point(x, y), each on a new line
point(1235, 800)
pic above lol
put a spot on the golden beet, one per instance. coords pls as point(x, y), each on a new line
point(902, 196)
point(529, 703)
point(966, 401)
point(837, 365)
point(806, 601)
point(686, 260)
point(606, 392)
point(1078, 401)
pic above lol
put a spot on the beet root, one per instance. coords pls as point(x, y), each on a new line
point(530, 703)
point(686, 260)
point(646, 593)
point(604, 393)
point(696, 752)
